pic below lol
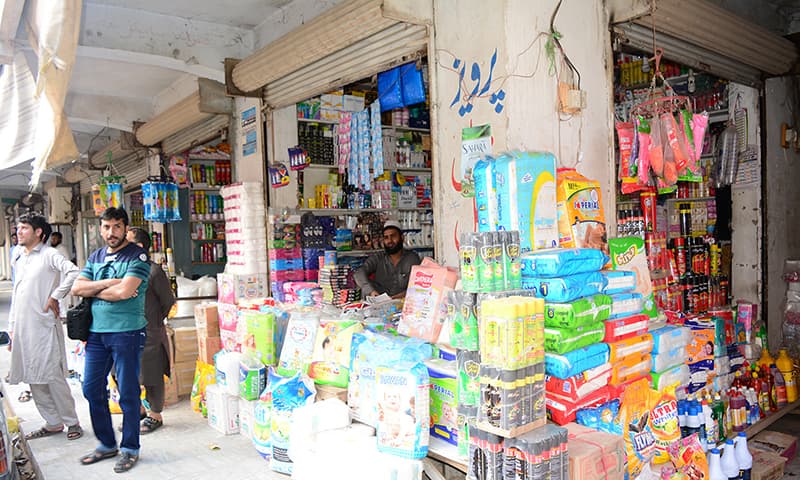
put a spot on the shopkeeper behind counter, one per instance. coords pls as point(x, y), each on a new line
point(388, 271)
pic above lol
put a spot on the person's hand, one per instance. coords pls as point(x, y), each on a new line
point(52, 305)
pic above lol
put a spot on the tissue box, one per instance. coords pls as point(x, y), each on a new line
point(223, 410)
point(594, 454)
point(232, 287)
point(766, 465)
point(206, 319)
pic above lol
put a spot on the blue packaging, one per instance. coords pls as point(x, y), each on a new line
point(390, 93)
point(625, 305)
point(402, 392)
point(526, 197)
point(411, 84)
point(558, 262)
point(619, 281)
point(567, 288)
point(576, 361)
point(485, 194)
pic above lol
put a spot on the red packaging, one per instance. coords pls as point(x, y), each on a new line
point(579, 386)
point(648, 201)
point(561, 410)
point(627, 327)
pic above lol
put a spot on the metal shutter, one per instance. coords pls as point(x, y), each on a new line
point(197, 134)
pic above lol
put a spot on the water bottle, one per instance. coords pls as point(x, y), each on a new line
point(743, 456)
point(715, 466)
point(730, 467)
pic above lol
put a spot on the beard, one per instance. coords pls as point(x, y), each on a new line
point(114, 242)
point(392, 250)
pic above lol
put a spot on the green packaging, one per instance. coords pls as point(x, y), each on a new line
point(627, 253)
point(484, 264)
point(469, 387)
point(513, 268)
point(498, 266)
point(580, 312)
point(443, 399)
point(468, 261)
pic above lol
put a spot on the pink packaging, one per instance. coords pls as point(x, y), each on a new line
point(422, 312)
point(229, 334)
point(231, 288)
point(285, 253)
point(287, 275)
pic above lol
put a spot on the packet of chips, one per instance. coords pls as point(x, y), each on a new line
point(688, 457)
point(634, 414)
point(664, 423)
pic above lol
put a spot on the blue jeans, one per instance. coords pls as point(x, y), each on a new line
point(124, 351)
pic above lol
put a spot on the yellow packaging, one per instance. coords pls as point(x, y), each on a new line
point(634, 414)
point(664, 424)
point(581, 222)
point(630, 367)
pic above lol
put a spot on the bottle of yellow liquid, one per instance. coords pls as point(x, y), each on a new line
point(786, 366)
point(766, 359)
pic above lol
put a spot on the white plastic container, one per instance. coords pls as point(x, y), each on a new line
point(730, 467)
point(227, 369)
point(743, 456)
point(715, 466)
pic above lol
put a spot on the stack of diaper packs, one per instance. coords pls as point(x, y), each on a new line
point(669, 357)
point(626, 332)
point(576, 362)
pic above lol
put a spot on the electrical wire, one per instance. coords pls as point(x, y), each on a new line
point(89, 149)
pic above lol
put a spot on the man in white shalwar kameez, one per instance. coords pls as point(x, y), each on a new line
point(42, 276)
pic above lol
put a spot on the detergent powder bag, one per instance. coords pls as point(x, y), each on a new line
point(664, 424)
point(627, 253)
point(634, 415)
point(581, 223)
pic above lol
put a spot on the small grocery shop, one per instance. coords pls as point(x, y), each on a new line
point(592, 223)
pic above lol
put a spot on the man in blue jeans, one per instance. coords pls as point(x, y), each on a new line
point(116, 277)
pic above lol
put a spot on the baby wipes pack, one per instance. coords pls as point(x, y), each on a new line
point(526, 197)
point(563, 340)
point(583, 311)
point(444, 399)
point(558, 262)
point(619, 281)
point(627, 253)
point(402, 392)
point(565, 289)
point(576, 361)
point(581, 222)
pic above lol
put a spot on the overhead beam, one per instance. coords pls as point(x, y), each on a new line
point(192, 42)
point(148, 59)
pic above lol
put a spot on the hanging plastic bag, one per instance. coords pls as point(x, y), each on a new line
point(625, 140)
point(727, 160)
point(699, 125)
point(656, 150)
point(204, 375)
point(644, 140)
point(668, 137)
point(674, 137)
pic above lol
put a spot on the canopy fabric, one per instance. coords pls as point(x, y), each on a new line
point(18, 112)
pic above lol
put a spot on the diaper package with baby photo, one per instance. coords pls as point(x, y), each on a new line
point(330, 363)
point(402, 392)
point(444, 399)
point(581, 223)
point(627, 253)
point(424, 309)
point(298, 345)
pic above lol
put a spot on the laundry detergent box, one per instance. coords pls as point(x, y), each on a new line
point(581, 222)
point(627, 253)
point(525, 183)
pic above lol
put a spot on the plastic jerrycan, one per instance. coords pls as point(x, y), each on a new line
point(743, 456)
point(786, 367)
point(715, 466)
point(730, 467)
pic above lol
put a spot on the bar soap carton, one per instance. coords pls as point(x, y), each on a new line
point(581, 223)
point(594, 454)
point(526, 197)
point(423, 310)
point(627, 253)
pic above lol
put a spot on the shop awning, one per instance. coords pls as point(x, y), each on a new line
point(351, 41)
point(704, 34)
point(208, 101)
point(197, 134)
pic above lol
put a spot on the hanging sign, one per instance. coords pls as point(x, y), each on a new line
point(476, 143)
point(298, 158)
point(278, 175)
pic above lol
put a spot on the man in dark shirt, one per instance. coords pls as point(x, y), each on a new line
point(390, 269)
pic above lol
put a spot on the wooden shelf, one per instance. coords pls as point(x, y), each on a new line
point(690, 200)
point(400, 128)
point(212, 157)
point(206, 187)
point(312, 120)
point(356, 211)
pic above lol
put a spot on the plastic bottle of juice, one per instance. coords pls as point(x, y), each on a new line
point(786, 367)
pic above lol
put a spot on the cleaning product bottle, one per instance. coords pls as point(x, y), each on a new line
point(718, 413)
point(780, 387)
point(763, 396)
point(738, 409)
point(786, 367)
point(730, 467)
point(682, 417)
point(755, 411)
point(708, 422)
point(773, 395)
point(743, 456)
point(693, 419)
point(765, 359)
point(715, 466)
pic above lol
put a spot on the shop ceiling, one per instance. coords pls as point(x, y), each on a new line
point(137, 57)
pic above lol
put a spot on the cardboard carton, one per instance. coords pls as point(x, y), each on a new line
point(185, 342)
point(766, 465)
point(594, 454)
point(206, 319)
point(223, 410)
point(183, 375)
point(233, 287)
point(775, 442)
point(207, 347)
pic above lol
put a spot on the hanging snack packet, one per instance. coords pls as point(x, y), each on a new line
point(664, 423)
point(643, 140)
point(625, 137)
point(656, 149)
point(699, 125)
point(634, 414)
point(678, 148)
point(688, 457)
point(687, 137)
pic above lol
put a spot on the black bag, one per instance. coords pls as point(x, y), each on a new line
point(79, 319)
